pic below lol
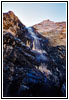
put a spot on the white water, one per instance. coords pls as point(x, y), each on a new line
point(36, 42)
point(36, 45)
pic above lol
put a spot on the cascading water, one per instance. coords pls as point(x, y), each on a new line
point(37, 46)
point(36, 43)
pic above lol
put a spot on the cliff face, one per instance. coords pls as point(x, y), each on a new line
point(12, 24)
point(31, 66)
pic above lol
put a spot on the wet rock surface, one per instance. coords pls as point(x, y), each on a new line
point(32, 68)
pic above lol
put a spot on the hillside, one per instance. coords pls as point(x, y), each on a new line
point(32, 66)
point(54, 31)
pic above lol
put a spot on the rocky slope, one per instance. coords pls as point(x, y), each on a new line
point(31, 66)
point(54, 31)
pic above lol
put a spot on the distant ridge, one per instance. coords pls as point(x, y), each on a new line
point(54, 31)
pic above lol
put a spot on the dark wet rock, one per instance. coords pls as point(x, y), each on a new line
point(22, 77)
point(63, 89)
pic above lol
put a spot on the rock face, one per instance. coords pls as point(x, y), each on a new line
point(54, 31)
point(31, 67)
point(11, 23)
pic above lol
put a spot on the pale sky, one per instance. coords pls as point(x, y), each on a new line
point(33, 13)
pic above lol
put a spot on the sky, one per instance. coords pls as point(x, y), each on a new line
point(33, 13)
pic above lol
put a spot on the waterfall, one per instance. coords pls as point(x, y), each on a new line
point(37, 46)
point(36, 42)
